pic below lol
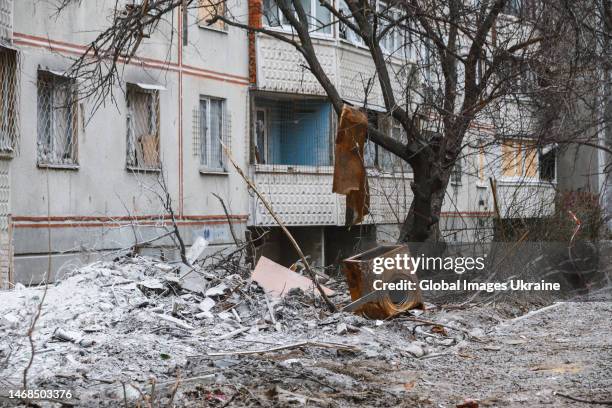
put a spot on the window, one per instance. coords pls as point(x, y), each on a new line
point(378, 157)
point(481, 162)
point(521, 8)
point(8, 100)
point(548, 160)
point(457, 172)
point(391, 43)
point(142, 128)
point(519, 160)
point(261, 135)
point(345, 32)
point(207, 10)
point(292, 131)
point(319, 16)
point(57, 120)
point(212, 125)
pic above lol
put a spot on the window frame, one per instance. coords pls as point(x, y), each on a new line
point(9, 102)
point(265, 152)
point(284, 25)
point(154, 107)
point(224, 28)
point(456, 175)
point(51, 81)
point(206, 138)
point(525, 149)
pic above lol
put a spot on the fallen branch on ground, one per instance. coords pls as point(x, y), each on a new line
point(339, 346)
point(586, 401)
point(265, 202)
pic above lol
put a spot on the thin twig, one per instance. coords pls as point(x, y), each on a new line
point(229, 219)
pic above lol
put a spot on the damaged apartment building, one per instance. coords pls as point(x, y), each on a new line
point(83, 185)
point(82, 182)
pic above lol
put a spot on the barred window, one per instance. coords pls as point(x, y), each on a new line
point(213, 121)
point(142, 128)
point(457, 172)
point(57, 120)
point(8, 100)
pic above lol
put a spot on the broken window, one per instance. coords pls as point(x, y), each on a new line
point(519, 159)
point(548, 160)
point(8, 100)
point(57, 120)
point(292, 131)
point(142, 128)
point(212, 133)
point(209, 9)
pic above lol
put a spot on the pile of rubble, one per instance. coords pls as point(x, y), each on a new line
point(137, 328)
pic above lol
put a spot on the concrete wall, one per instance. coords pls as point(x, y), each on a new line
point(101, 206)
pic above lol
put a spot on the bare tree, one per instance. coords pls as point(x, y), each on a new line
point(499, 63)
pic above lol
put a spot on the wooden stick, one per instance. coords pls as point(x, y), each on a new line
point(285, 347)
point(586, 401)
point(297, 248)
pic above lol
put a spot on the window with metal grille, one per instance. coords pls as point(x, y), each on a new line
point(292, 131)
point(142, 128)
point(212, 131)
point(57, 120)
point(8, 100)
point(457, 172)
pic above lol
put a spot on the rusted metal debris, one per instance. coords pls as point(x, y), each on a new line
point(379, 304)
point(350, 176)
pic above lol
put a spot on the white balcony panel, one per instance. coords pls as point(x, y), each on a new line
point(299, 199)
point(525, 199)
point(302, 196)
point(280, 68)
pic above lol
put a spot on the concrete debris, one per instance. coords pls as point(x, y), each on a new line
point(206, 304)
point(73, 337)
point(277, 280)
point(196, 249)
point(414, 349)
point(151, 287)
point(151, 327)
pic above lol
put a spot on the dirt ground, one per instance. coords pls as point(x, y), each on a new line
point(135, 343)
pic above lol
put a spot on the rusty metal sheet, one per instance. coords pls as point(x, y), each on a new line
point(360, 277)
point(350, 176)
point(277, 280)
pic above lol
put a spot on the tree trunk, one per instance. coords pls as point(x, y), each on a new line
point(429, 186)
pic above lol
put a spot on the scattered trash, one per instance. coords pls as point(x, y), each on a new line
point(277, 280)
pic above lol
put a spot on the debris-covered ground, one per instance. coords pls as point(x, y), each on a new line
point(131, 332)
